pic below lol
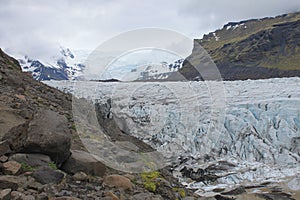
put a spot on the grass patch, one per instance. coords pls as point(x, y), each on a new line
point(180, 191)
point(149, 178)
point(26, 168)
point(52, 165)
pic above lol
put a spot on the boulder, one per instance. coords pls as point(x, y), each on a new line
point(33, 160)
point(5, 194)
point(111, 195)
point(3, 159)
point(4, 147)
point(12, 168)
point(80, 176)
point(8, 119)
point(81, 161)
point(12, 182)
point(47, 133)
point(236, 191)
point(15, 195)
point(146, 196)
point(118, 181)
point(64, 198)
point(46, 175)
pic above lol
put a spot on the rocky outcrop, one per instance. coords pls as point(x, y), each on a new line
point(253, 49)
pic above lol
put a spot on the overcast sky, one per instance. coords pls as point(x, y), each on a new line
point(38, 27)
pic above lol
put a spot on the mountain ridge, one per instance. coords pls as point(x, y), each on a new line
point(252, 49)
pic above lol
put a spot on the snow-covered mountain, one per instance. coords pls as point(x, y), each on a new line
point(224, 134)
point(68, 66)
point(154, 72)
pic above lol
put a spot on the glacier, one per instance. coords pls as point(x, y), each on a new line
point(231, 133)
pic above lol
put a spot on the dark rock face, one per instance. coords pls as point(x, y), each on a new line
point(253, 49)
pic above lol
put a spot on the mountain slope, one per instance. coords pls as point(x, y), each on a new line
point(257, 48)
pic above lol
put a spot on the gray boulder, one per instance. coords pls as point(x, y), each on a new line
point(8, 119)
point(12, 182)
point(33, 160)
point(4, 147)
point(81, 161)
point(46, 175)
point(47, 133)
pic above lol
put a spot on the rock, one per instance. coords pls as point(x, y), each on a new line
point(3, 159)
point(48, 134)
point(32, 184)
point(111, 195)
point(15, 195)
point(165, 190)
point(146, 196)
point(118, 181)
point(29, 197)
point(12, 182)
point(12, 168)
point(276, 196)
point(130, 176)
point(81, 161)
point(33, 160)
point(80, 176)
point(64, 198)
point(21, 97)
point(46, 175)
point(26, 114)
point(217, 190)
point(295, 145)
point(9, 119)
point(236, 191)
point(65, 193)
point(42, 196)
point(4, 147)
point(220, 197)
point(5, 194)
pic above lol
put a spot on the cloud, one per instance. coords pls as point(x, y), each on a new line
point(38, 28)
